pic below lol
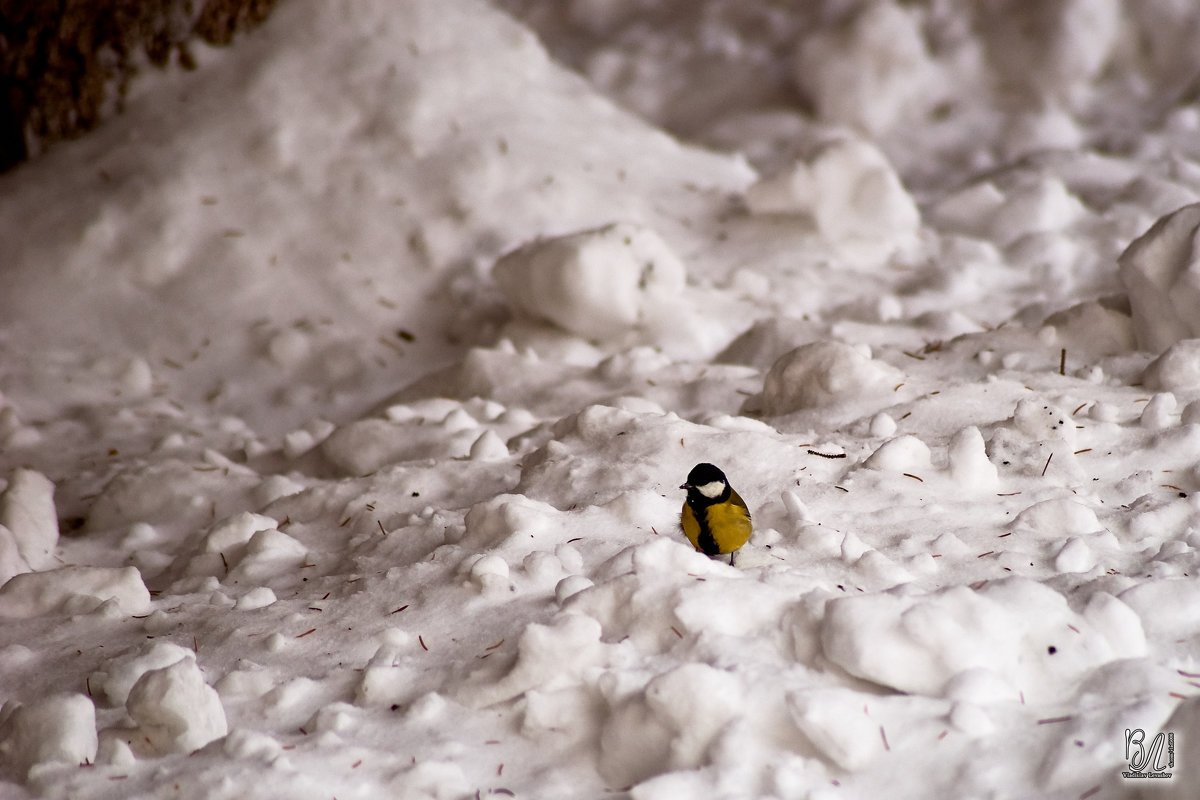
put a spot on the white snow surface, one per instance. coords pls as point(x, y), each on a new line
point(346, 383)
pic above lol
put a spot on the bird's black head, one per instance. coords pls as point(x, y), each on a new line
point(706, 482)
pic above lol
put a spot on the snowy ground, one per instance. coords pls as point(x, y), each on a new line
point(366, 360)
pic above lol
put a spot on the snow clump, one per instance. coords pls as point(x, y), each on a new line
point(823, 374)
point(73, 590)
point(1161, 273)
point(871, 72)
point(175, 710)
point(60, 729)
point(1177, 369)
point(28, 523)
point(1014, 628)
point(596, 283)
point(849, 189)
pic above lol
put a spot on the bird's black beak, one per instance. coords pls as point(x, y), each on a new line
point(686, 486)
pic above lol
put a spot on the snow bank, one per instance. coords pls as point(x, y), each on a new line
point(410, 506)
point(365, 195)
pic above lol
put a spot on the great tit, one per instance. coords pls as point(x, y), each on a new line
point(715, 518)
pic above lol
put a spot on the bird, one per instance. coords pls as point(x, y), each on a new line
point(714, 517)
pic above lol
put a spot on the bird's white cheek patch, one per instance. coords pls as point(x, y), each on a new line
point(711, 490)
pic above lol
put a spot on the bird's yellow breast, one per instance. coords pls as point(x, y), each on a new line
point(718, 528)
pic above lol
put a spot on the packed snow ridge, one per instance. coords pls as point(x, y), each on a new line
point(349, 380)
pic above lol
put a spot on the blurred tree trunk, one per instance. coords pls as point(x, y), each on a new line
point(64, 64)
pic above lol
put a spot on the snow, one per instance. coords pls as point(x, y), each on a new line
point(74, 589)
point(1158, 270)
point(596, 284)
point(28, 525)
point(55, 729)
point(823, 374)
point(346, 384)
point(1174, 370)
point(174, 710)
point(850, 191)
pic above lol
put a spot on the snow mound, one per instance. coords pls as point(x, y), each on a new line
point(849, 189)
point(1166, 607)
point(549, 657)
point(231, 535)
point(1161, 272)
point(1051, 50)
point(871, 72)
point(27, 512)
point(1059, 517)
point(231, 546)
point(1039, 438)
point(1184, 722)
point(824, 374)
point(1035, 206)
point(11, 562)
point(366, 445)
point(1043, 421)
point(113, 682)
point(845, 725)
point(1020, 630)
point(970, 468)
point(902, 454)
point(432, 429)
point(58, 729)
point(1098, 327)
point(419, 529)
point(597, 283)
point(451, 199)
point(269, 554)
point(1177, 369)
point(663, 728)
point(647, 602)
point(175, 710)
point(256, 598)
point(506, 519)
point(1014, 210)
point(173, 493)
point(74, 590)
